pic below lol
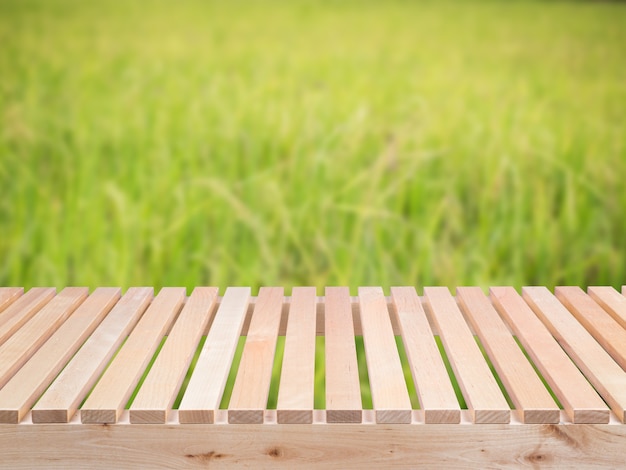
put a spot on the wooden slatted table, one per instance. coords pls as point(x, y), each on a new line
point(106, 380)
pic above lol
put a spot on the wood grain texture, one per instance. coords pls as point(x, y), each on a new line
point(580, 401)
point(479, 387)
point(111, 393)
point(611, 301)
point(252, 384)
point(23, 310)
point(158, 392)
point(204, 392)
point(533, 403)
point(434, 389)
point(8, 295)
point(390, 395)
point(291, 446)
point(297, 379)
point(343, 389)
point(59, 403)
point(22, 345)
point(602, 326)
point(26, 386)
point(601, 370)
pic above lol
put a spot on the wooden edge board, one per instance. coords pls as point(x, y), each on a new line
point(312, 446)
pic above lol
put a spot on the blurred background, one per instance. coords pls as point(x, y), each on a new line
point(312, 143)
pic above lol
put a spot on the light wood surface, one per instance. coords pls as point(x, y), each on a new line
point(580, 401)
point(390, 395)
point(252, 384)
point(204, 392)
point(23, 310)
point(59, 403)
point(611, 301)
point(434, 389)
point(297, 379)
point(343, 389)
point(602, 326)
point(480, 390)
point(26, 386)
point(111, 393)
point(436, 446)
point(158, 392)
point(16, 350)
point(8, 295)
point(601, 370)
point(533, 403)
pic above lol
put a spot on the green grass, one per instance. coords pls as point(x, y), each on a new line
point(316, 143)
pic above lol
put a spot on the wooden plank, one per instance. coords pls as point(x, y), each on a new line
point(59, 403)
point(343, 389)
point(111, 393)
point(297, 379)
point(204, 392)
point(479, 387)
point(603, 327)
point(390, 395)
point(27, 385)
point(14, 317)
point(611, 301)
point(249, 398)
point(16, 350)
point(580, 401)
point(533, 403)
point(8, 295)
point(601, 370)
point(160, 388)
point(292, 446)
point(434, 389)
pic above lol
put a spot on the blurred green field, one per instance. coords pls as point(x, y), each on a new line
point(312, 143)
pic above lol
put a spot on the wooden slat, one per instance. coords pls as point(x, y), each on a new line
point(158, 392)
point(114, 388)
point(204, 392)
point(533, 403)
point(580, 401)
point(23, 310)
point(8, 295)
point(59, 403)
point(23, 344)
point(343, 389)
point(599, 323)
point(249, 398)
point(434, 389)
point(390, 395)
point(19, 394)
point(481, 392)
point(297, 379)
point(611, 301)
point(600, 369)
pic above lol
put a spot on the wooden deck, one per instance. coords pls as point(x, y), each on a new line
point(106, 380)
